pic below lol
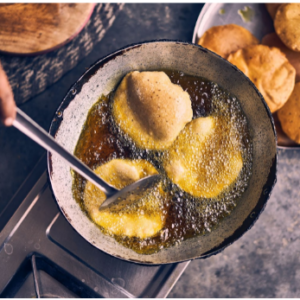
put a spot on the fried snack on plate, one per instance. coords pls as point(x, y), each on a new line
point(287, 25)
point(269, 69)
point(205, 158)
point(289, 115)
point(141, 219)
point(151, 109)
point(272, 40)
point(226, 39)
point(272, 8)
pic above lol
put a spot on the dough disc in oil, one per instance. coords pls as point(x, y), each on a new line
point(142, 219)
point(204, 160)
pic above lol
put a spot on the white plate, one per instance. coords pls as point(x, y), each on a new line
point(259, 24)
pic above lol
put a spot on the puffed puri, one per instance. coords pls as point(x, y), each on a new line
point(269, 69)
point(150, 109)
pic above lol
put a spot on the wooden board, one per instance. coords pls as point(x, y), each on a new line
point(38, 28)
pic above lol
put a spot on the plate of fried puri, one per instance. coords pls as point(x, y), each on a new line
point(263, 41)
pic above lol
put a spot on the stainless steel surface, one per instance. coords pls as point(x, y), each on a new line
point(40, 136)
point(44, 257)
point(259, 24)
point(102, 78)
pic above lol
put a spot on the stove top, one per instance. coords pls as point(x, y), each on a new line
point(41, 255)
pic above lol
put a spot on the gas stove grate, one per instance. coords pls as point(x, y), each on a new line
point(41, 255)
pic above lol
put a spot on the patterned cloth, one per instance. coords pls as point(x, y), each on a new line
point(31, 75)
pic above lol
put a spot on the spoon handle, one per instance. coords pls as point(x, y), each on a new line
point(26, 125)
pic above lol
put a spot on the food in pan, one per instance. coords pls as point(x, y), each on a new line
point(226, 39)
point(269, 69)
point(210, 139)
point(272, 40)
point(272, 8)
point(151, 109)
point(122, 172)
point(217, 141)
point(289, 115)
point(286, 23)
point(130, 221)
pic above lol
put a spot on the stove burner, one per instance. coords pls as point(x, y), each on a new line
point(41, 255)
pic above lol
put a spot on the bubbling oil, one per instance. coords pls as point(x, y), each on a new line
point(186, 216)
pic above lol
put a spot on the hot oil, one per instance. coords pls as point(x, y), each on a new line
point(97, 143)
point(186, 216)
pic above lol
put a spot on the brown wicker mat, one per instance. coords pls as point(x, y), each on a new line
point(31, 75)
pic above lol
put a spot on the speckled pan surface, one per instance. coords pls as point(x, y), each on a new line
point(191, 59)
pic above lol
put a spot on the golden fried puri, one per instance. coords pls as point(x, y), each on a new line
point(269, 69)
point(205, 159)
point(289, 115)
point(151, 109)
point(142, 219)
point(226, 39)
point(272, 40)
point(286, 23)
point(272, 8)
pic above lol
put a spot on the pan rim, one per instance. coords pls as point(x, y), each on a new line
point(268, 187)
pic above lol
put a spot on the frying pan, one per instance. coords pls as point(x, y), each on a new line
point(101, 78)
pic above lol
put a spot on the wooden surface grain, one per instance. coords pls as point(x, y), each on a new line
point(36, 28)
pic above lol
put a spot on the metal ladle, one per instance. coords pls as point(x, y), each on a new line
point(26, 125)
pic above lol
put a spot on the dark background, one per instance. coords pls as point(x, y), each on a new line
point(265, 262)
